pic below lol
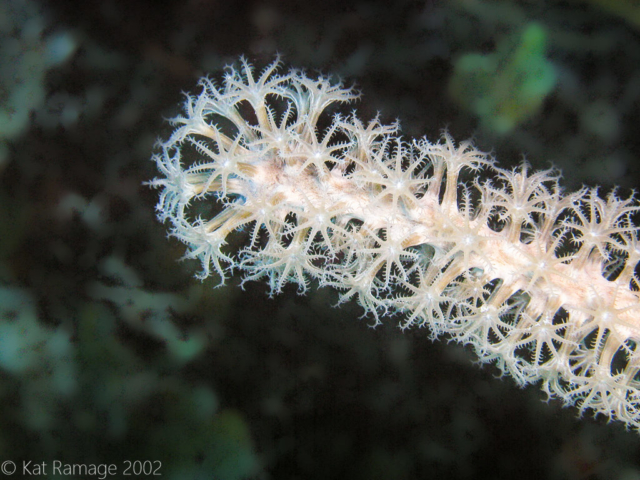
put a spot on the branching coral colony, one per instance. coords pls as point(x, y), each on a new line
point(540, 283)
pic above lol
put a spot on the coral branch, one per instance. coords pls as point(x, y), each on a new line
point(540, 283)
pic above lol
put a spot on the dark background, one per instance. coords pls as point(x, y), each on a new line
point(110, 350)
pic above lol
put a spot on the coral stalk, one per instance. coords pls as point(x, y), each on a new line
point(258, 177)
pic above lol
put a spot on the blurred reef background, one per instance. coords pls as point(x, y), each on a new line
point(110, 350)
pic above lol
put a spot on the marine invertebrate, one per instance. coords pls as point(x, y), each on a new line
point(539, 282)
